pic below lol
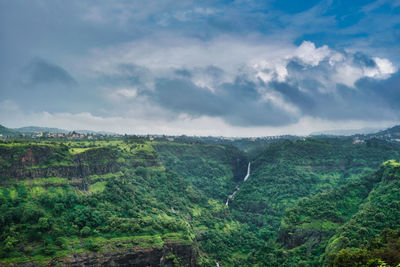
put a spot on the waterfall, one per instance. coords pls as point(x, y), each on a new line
point(231, 196)
point(248, 173)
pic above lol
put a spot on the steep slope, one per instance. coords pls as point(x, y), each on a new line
point(380, 211)
point(213, 169)
point(330, 227)
point(284, 173)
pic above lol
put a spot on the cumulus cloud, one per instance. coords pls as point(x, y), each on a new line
point(333, 67)
point(309, 54)
point(256, 88)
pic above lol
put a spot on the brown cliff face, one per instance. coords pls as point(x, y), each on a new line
point(31, 161)
point(171, 254)
point(28, 158)
point(46, 161)
point(292, 238)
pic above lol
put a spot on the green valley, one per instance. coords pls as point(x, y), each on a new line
point(136, 201)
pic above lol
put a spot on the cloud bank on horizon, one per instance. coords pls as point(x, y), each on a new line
point(235, 68)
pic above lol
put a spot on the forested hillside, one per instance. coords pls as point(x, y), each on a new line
point(132, 201)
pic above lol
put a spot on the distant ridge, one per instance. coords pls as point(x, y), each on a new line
point(37, 129)
point(94, 132)
point(389, 133)
point(7, 131)
point(348, 132)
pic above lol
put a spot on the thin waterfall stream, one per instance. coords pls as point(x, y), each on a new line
point(237, 188)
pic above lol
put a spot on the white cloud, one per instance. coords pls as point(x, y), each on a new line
point(127, 92)
point(258, 59)
point(311, 55)
point(269, 71)
point(119, 95)
point(384, 68)
point(168, 53)
point(222, 60)
point(342, 69)
point(347, 74)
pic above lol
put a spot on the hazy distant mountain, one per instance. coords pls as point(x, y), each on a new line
point(94, 132)
point(37, 129)
point(7, 131)
point(348, 132)
point(393, 132)
point(389, 134)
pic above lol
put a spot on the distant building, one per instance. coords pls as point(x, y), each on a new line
point(357, 141)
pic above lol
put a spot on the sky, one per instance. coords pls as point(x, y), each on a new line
point(222, 68)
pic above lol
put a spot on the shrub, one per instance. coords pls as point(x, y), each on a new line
point(85, 231)
point(91, 245)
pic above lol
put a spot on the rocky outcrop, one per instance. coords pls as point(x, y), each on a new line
point(292, 238)
point(171, 254)
point(96, 161)
point(34, 161)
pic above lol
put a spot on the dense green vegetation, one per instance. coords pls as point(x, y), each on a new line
point(311, 202)
point(214, 169)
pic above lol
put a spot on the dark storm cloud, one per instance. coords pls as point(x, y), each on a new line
point(128, 75)
point(237, 103)
point(42, 72)
point(183, 96)
point(308, 89)
point(385, 91)
point(306, 102)
point(183, 73)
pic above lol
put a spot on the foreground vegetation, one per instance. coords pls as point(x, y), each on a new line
point(311, 202)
